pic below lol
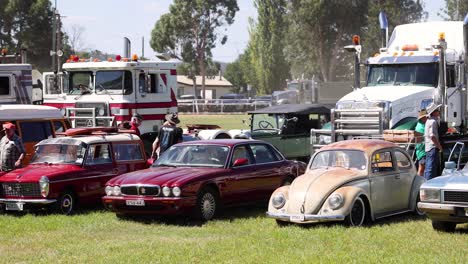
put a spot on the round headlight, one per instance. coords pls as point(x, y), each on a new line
point(335, 201)
point(44, 186)
point(176, 191)
point(116, 190)
point(101, 111)
point(166, 191)
point(278, 200)
point(109, 190)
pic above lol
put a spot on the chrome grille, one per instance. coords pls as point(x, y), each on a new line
point(86, 113)
point(456, 196)
point(145, 190)
point(21, 189)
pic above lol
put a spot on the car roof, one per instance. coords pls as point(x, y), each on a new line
point(293, 108)
point(24, 112)
point(222, 142)
point(91, 139)
point(368, 146)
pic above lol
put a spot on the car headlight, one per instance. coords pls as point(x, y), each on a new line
point(44, 186)
point(429, 195)
point(101, 111)
point(176, 191)
point(116, 191)
point(109, 190)
point(335, 201)
point(166, 191)
point(278, 200)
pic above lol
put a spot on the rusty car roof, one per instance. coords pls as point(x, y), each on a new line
point(368, 146)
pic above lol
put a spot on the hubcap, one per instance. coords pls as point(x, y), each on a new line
point(208, 206)
point(67, 203)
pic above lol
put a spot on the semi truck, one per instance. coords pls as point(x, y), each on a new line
point(421, 63)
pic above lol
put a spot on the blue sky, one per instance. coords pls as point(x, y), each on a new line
point(106, 22)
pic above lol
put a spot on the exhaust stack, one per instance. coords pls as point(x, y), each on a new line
point(384, 28)
point(127, 48)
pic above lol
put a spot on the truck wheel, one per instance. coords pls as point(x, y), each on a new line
point(443, 226)
point(66, 203)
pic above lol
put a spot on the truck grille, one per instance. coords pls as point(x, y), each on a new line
point(21, 189)
point(145, 190)
point(88, 113)
point(456, 196)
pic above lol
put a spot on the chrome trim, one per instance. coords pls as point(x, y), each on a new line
point(440, 206)
point(307, 217)
point(81, 178)
point(26, 201)
point(138, 186)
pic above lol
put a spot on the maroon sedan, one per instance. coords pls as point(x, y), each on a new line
point(200, 176)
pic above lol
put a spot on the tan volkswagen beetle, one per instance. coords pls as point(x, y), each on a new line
point(354, 181)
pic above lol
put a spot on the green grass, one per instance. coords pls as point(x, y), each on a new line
point(237, 236)
point(226, 121)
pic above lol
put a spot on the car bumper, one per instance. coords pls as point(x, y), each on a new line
point(150, 206)
point(445, 212)
point(305, 218)
point(19, 204)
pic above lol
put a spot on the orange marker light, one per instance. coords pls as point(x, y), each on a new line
point(110, 60)
point(134, 57)
point(356, 40)
point(410, 47)
point(442, 36)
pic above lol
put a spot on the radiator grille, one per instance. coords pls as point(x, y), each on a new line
point(456, 196)
point(86, 113)
point(21, 189)
point(145, 190)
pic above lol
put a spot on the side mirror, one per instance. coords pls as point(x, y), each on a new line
point(450, 165)
point(149, 162)
point(240, 162)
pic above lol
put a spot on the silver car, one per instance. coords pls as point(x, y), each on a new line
point(445, 198)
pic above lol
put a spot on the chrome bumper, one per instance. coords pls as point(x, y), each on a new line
point(438, 207)
point(28, 201)
point(308, 218)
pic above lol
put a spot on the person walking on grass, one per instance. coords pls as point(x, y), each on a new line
point(420, 148)
point(431, 141)
point(169, 135)
point(12, 150)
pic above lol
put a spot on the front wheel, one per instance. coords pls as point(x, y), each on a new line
point(357, 214)
point(418, 211)
point(65, 204)
point(207, 204)
point(444, 226)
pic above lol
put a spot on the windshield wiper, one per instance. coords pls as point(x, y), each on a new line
point(166, 165)
point(100, 86)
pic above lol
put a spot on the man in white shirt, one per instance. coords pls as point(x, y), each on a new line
point(431, 141)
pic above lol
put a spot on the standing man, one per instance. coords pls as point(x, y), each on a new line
point(431, 140)
point(169, 135)
point(135, 122)
point(11, 149)
point(420, 148)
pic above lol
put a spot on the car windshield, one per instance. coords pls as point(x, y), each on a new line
point(59, 154)
point(194, 156)
point(422, 74)
point(349, 159)
point(267, 122)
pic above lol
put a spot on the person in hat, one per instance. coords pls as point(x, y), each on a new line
point(169, 135)
point(420, 148)
point(135, 122)
point(431, 141)
point(12, 150)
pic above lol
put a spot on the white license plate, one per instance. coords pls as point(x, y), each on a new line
point(135, 202)
point(14, 206)
point(296, 218)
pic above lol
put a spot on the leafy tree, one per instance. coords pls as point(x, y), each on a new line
point(455, 9)
point(190, 28)
point(235, 75)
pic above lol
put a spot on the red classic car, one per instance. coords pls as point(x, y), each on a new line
point(68, 171)
point(200, 176)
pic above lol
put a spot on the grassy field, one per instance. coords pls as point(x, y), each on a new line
point(226, 121)
point(237, 236)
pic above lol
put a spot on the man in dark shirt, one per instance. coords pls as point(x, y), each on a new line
point(169, 135)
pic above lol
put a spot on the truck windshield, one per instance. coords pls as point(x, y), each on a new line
point(81, 82)
point(59, 153)
point(267, 122)
point(114, 82)
point(422, 74)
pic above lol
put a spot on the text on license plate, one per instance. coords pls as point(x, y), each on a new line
point(296, 218)
point(135, 202)
point(14, 206)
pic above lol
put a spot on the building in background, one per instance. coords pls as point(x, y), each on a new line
point(214, 87)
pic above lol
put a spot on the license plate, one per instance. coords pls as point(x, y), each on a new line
point(296, 218)
point(135, 202)
point(14, 206)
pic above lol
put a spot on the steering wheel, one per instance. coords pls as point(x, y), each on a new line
point(265, 124)
point(215, 160)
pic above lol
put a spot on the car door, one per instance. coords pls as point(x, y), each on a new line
point(404, 184)
point(242, 178)
point(383, 179)
point(129, 156)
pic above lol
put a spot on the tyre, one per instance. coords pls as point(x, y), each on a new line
point(207, 204)
point(444, 226)
point(357, 214)
point(418, 211)
point(65, 204)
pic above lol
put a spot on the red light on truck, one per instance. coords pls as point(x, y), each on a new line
point(75, 58)
point(410, 47)
point(356, 40)
point(118, 58)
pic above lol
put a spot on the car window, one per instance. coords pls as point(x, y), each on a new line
point(263, 154)
point(58, 126)
point(402, 160)
point(35, 131)
point(241, 152)
point(98, 154)
point(382, 161)
point(127, 152)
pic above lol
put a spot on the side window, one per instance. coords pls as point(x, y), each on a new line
point(128, 82)
point(98, 154)
point(4, 85)
point(58, 125)
point(241, 152)
point(142, 83)
point(382, 161)
point(127, 152)
point(402, 160)
point(35, 131)
point(263, 154)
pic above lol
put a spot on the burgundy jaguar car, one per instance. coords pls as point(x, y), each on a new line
point(197, 178)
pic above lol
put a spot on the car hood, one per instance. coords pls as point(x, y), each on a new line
point(311, 189)
point(34, 172)
point(454, 181)
point(165, 175)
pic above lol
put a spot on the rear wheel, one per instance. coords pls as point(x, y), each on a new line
point(357, 214)
point(444, 226)
point(66, 203)
point(207, 204)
